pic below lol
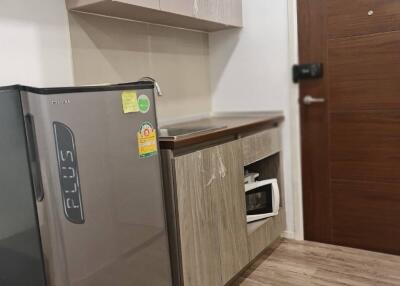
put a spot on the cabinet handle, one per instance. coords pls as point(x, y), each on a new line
point(36, 176)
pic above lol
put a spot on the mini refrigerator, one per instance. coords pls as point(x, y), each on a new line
point(81, 201)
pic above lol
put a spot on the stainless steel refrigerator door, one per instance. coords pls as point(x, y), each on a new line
point(21, 260)
point(102, 217)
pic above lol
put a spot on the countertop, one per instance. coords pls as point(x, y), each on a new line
point(235, 124)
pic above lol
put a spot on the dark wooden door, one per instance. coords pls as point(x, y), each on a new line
point(351, 141)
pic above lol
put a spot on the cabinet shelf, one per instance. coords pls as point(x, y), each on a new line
point(127, 9)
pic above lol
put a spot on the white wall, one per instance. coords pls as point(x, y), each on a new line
point(34, 43)
point(113, 50)
point(34, 48)
point(250, 71)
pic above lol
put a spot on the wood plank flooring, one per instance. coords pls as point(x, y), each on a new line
point(308, 263)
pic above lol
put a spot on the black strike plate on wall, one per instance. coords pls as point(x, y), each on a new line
point(307, 71)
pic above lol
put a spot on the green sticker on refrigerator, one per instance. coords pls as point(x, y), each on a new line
point(144, 103)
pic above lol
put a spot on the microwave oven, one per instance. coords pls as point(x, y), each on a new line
point(262, 199)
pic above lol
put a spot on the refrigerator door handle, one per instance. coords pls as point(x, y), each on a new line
point(34, 165)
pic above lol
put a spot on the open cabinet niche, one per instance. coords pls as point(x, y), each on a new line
point(269, 168)
point(263, 155)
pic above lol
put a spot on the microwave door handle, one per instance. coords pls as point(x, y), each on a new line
point(276, 194)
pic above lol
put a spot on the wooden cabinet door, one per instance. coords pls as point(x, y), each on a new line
point(212, 219)
point(153, 4)
point(210, 10)
point(181, 7)
point(224, 178)
point(227, 12)
point(236, 15)
point(197, 223)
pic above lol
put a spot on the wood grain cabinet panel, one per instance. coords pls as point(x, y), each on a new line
point(153, 4)
point(212, 218)
point(224, 177)
point(204, 15)
point(261, 145)
point(73, 4)
point(182, 7)
point(361, 17)
point(264, 233)
point(236, 15)
point(227, 12)
point(230, 12)
point(197, 224)
point(208, 10)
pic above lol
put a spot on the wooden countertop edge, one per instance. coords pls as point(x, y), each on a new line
point(219, 134)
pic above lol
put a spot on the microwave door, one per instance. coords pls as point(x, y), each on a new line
point(262, 199)
point(275, 191)
point(102, 216)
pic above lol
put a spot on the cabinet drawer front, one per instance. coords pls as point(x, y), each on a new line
point(261, 145)
point(360, 17)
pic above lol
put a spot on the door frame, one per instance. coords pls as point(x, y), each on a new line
point(294, 121)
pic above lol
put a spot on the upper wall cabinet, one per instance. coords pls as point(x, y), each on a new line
point(220, 11)
point(204, 15)
point(77, 4)
point(180, 7)
point(154, 4)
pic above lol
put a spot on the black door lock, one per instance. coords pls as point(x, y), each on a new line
point(307, 71)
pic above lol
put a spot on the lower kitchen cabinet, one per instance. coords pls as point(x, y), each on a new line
point(211, 214)
point(205, 196)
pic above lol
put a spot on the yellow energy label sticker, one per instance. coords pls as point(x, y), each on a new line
point(147, 140)
point(129, 101)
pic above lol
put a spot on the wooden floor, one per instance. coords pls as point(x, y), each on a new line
point(309, 263)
